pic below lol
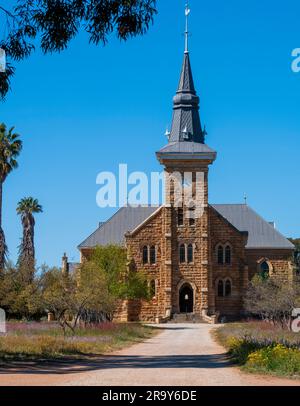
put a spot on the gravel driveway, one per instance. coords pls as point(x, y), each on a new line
point(181, 355)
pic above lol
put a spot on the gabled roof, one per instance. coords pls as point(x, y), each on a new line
point(261, 233)
point(114, 230)
point(241, 216)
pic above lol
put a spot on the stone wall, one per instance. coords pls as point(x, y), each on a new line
point(148, 234)
point(222, 232)
point(279, 260)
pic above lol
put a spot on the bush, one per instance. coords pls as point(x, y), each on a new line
point(273, 300)
point(261, 347)
point(277, 359)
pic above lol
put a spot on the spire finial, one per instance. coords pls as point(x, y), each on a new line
point(187, 13)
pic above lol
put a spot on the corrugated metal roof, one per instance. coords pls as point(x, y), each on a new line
point(186, 147)
point(261, 233)
point(241, 216)
point(114, 230)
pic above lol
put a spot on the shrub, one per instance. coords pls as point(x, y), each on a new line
point(262, 347)
point(276, 359)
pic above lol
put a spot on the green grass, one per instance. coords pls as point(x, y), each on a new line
point(31, 342)
point(262, 348)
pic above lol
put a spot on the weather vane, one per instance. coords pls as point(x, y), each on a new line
point(187, 13)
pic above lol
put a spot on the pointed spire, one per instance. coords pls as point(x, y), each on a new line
point(186, 83)
point(186, 125)
point(186, 34)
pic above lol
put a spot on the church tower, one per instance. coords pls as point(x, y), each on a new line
point(188, 285)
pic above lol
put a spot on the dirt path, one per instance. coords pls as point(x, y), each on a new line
point(180, 355)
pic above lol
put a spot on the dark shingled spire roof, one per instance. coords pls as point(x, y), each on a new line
point(186, 125)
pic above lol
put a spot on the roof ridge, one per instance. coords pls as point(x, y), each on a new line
point(230, 204)
point(102, 225)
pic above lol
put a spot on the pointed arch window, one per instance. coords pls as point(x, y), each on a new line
point(227, 288)
point(180, 217)
point(192, 220)
point(182, 253)
point(220, 288)
point(145, 255)
point(227, 255)
point(220, 254)
point(152, 255)
point(153, 289)
point(190, 253)
point(264, 269)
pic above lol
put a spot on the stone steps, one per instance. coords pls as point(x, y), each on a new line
point(187, 318)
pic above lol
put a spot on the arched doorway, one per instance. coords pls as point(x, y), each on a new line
point(186, 299)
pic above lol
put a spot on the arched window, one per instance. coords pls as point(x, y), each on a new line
point(190, 253)
point(220, 253)
point(180, 217)
point(264, 269)
point(220, 288)
point(152, 255)
point(192, 220)
point(152, 288)
point(182, 253)
point(228, 255)
point(227, 288)
point(145, 255)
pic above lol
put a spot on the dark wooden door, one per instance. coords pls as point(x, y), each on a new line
point(186, 299)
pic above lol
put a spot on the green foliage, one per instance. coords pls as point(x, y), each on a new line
point(275, 359)
point(17, 296)
point(51, 25)
point(123, 282)
point(71, 296)
point(261, 347)
point(26, 208)
point(296, 242)
point(90, 294)
point(10, 148)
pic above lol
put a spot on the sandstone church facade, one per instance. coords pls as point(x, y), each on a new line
point(199, 265)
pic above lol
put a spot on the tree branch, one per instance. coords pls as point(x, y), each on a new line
point(8, 13)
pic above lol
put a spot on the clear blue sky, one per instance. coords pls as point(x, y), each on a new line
point(91, 108)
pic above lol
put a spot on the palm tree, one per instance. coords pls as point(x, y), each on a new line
point(26, 208)
point(10, 148)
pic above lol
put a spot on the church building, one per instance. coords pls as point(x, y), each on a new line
point(198, 265)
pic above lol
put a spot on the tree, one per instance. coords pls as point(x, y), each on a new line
point(20, 299)
point(123, 281)
point(10, 148)
point(26, 208)
point(93, 291)
point(296, 242)
point(272, 300)
point(53, 24)
point(72, 297)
